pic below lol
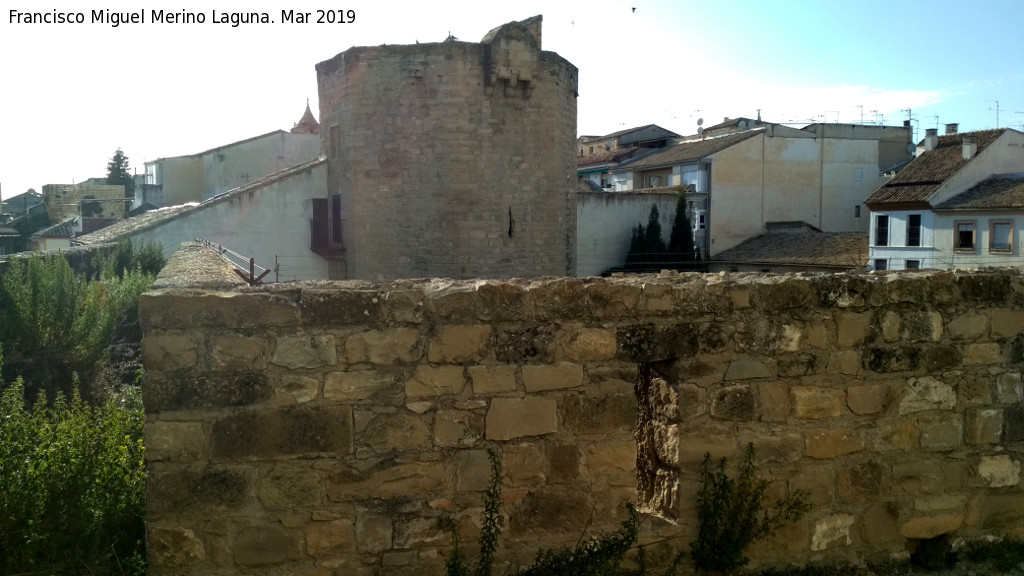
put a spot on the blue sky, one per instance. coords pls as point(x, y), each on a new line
point(72, 94)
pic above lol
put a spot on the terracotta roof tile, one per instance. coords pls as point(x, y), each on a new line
point(691, 150)
point(843, 250)
point(997, 193)
point(923, 176)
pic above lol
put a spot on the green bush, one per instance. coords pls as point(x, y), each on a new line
point(57, 325)
point(72, 477)
point(732, 514)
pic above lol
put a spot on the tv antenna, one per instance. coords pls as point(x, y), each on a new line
point(831, 111)
point(997, 111)
point(936, 121)
point(861, 106)
point(879, 117)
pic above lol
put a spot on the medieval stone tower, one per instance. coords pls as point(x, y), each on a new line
point(452, 159)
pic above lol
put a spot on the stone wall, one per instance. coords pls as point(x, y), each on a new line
point(453, 159)
point(330, 428)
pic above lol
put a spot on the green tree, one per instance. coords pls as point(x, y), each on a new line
point(654, 246)
point(683, 254)
point(118, 172)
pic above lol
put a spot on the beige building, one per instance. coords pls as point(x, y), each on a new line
point(197, 177)
point(741, 179)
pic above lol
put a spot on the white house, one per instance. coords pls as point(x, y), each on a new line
point(956, 205)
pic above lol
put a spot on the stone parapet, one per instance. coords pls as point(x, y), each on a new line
point(332, 427)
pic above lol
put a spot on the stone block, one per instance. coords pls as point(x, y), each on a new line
point(196, 488)
point(984, 353)
point(174, 441)
point(815, 403)
point(922, 327)
point(174, 546)
point(549, 510)
point(1009, 388)
point(289, 431)
point(926, 393)
point(969, 326)
point(852, 328)
point(473, 471)
point(843, 362)
point(774, 398)
point(610, 463)
point(613, 300)
point(330, 306)
point(879, 524)
point(305, 351)
point(169, 351)
point(736, 403)
point(297, 389)
point(329, 538)
point(205, 390)
point(818, 482)
point(917, 477)
point(431, 381)
point(412, 480)
point(998, 512)
point(942, 435)
point(589, 345)
point(984, 426)
point(543, 377)
point(901, 434)
point(454, 428)
point(941, 503)
point(419, 533)
point(355, 385)
point(867, 399)
point(186, 310)
point(488, 380)
point(458, 344)
point(266, 545)
point(817, 335)
point(832, 531)
point(999, 471)
point(509, 418)
point(1013, 424)
point(746, 368)
point(599, 414)
point(1007, 323)
point(291, 488)
point(529, 344)
point(823, 444)
point(864, 482)
point(374, 533)
point(926, 527)
point(389, 433)
point(525, 465)
point(233, 352)
point(650, 343)
point(396, 346)
point(693, 445)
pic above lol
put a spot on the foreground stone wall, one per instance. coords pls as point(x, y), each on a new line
point(330, 428)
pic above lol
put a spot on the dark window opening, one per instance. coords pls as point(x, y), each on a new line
point(336, 219)
point(964, 239)
point(913, 264)
point(881, 230)
point(881, 264)
point(914, 230)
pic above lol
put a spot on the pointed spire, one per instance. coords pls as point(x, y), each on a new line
point(307, 124)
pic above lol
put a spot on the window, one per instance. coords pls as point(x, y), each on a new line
point(336, 219)
point(881, 230)
point(591, 150)
point(1000, 237)
point(655, 182)
point(881, 264)
point(963, 239)
point(913, 264)
point(858, 174)
point(914, 230)
point(335, 136)
point(856, 211)
point(700, 220)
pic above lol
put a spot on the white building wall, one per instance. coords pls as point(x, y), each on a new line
point(605, 223)
point(897, 253)
point(1004, 156)
point(270, 223)
point(983, 255)
point(238, 164)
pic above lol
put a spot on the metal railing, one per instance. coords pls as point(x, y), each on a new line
point(245, 267)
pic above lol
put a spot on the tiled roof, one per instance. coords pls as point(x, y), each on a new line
point(620, 133)
point(307, 124)
point(613, 157)
point(691, 151)
point(996, 193)
point(927, 172)
point(730, 123)
point(156, 217)
point(63, 229)
point(8, 231)
point(811, 248)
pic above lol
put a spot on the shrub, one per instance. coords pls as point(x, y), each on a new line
point(73, 477)
point(732, 515)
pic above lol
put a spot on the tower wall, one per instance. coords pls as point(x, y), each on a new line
point(453, 159)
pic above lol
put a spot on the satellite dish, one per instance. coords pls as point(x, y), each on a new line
point(911, 148)
point(700, 130)
point(700, 121)
point(742, 124)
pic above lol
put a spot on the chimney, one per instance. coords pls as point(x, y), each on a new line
point(931, 139)
point(951, 128)
point(970, 147)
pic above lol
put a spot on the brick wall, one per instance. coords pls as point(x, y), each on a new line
point(328, 428)
point(453, 159)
